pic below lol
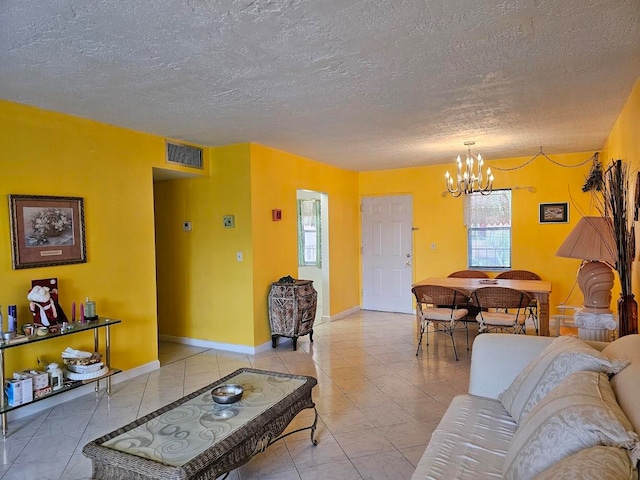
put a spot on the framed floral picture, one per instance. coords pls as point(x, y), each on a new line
point(46, 231)
point(554, 213)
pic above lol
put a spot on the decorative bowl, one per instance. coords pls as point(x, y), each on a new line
point(9, 335)
point(229, 393)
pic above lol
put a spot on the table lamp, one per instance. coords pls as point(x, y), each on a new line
point(592, 241)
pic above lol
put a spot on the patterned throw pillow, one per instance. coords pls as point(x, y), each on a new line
point(580, 413)
point(595, 463)
point(564, 356)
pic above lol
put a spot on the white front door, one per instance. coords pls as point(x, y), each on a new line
point(387, 253)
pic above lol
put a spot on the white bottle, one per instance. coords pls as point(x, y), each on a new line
point(55, 376)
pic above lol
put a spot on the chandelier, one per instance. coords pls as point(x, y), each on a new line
point(469, 181)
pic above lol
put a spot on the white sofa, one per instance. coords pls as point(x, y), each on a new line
point(473, 437)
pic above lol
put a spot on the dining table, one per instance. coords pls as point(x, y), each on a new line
point(538, 289)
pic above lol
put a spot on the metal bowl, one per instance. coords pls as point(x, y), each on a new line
point(227, 393)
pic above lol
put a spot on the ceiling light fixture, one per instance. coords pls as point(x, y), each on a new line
point(469, 181)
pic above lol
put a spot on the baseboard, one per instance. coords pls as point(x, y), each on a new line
point(227, 347)
point(343, 314)
point(80, 391)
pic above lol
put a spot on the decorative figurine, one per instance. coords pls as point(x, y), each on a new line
point(42, 306)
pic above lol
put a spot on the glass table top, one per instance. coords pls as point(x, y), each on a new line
point(181, 433)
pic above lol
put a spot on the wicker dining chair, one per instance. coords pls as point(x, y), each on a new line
point(473, 309)
point(501, 300)
point(532, 309)
point(428, 301)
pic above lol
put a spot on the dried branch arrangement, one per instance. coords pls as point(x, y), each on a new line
point(616, 207)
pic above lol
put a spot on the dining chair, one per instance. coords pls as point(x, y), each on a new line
point(468, 274)
point(532, 310)
point(501, 300)
point(473, 309)
point(429, 299)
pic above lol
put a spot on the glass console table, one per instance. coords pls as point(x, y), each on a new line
point(74, 328)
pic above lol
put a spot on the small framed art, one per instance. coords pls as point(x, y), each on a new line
point(46, 230)
point(554, 212)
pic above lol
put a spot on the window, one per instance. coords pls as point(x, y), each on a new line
point(309, 233)
point(488, 220)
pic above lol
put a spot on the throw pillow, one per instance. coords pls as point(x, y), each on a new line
point(595, 463)
point(625, 384)
point(580, 413)
point(564, 356)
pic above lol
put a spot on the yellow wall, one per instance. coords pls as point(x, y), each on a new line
point(439, 219)
point(624, 143)
point(46, 153)
point(204, 292)
point(275, 178)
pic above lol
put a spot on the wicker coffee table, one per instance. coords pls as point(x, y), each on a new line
point(196, 438)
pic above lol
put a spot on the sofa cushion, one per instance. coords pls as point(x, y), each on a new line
point(564, 356)
point(470, 442)
point(625, 384)
point(595, 463)
point(580, 413)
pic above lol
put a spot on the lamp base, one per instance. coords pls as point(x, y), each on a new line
point(594, 326)
point(595, 280)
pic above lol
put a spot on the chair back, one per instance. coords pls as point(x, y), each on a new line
point(501, 297)
point(519, 275)
point(468, 274)
point(437, 295)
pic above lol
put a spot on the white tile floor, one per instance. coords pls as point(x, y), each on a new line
point(378, 404)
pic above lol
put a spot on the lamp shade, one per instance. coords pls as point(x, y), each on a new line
point(591, 239)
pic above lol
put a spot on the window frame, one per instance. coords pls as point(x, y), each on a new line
point(472, 231)
point(302, 261)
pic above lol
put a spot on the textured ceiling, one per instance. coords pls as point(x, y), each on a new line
point(365, 85)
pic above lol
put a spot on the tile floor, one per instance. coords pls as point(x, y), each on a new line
point(378, 404)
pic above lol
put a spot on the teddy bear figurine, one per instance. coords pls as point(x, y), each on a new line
point(42, 306)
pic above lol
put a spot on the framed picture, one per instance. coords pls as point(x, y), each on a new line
point(46, 231)
point(554, 213)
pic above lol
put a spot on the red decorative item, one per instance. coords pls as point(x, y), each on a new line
point(276, 214)
point(42, 306)
point(627, 315)
point(43, 302)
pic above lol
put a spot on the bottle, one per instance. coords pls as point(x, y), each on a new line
point(12, 318)
point(90, 309)
point(55, 376)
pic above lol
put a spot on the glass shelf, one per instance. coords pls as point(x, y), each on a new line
point(77, 327)
point(65, 388)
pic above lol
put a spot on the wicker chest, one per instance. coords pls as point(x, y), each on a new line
point(292, 310)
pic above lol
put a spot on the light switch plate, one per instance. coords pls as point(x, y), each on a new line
point(229, 221)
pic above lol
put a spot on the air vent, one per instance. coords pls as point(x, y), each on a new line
point(184, 155)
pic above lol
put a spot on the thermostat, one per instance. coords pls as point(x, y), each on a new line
point(229, 221)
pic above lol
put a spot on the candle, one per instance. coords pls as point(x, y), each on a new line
point(81, 313)
point(73, 312)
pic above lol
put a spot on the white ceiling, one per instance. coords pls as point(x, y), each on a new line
point(362, 84)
